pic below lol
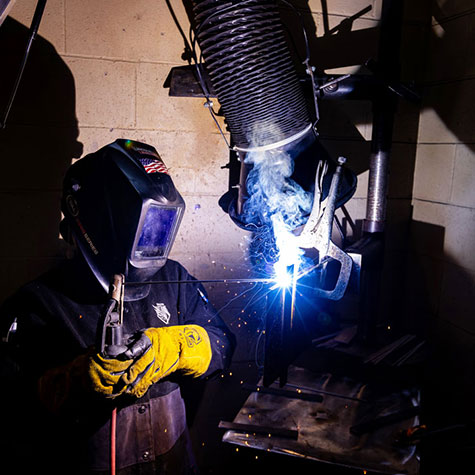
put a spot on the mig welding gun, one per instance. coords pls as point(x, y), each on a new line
point(131, 363)
point(125, 364)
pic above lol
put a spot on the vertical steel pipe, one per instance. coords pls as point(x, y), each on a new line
point(384, 108)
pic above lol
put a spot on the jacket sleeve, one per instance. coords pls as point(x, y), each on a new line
point(195, 308)
point(41, 360)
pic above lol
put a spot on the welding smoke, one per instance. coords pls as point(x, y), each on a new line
point(275, 202)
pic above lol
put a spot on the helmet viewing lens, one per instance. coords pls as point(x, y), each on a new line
point(157, 233)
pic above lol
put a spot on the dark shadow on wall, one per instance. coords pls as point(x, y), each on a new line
point(435, 293)
point(36, 146)
point(440, 290)
point(449, 87)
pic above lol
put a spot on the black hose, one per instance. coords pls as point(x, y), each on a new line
point(250, 68)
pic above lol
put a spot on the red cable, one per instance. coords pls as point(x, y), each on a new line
point(113, 440)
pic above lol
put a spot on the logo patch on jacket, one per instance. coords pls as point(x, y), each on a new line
point(162, 312)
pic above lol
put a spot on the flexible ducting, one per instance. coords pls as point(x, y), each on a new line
point(250, 68)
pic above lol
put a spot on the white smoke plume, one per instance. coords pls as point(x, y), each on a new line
point(275, 200)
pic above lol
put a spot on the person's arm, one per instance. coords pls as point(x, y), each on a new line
point(200, 346)
point(48, 366)
point(199, 311)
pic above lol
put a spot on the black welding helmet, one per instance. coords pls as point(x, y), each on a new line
point(123, 210)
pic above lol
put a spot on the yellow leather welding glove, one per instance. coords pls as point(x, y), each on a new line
point(184, 348)
point(105, 375)
point(59, 386)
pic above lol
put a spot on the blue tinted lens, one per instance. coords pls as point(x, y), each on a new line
point(156, 232)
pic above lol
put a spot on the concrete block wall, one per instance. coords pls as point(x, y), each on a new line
point(443, 245)
point(118, 55)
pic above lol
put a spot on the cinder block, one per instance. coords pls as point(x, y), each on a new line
point(459, 225)
point(206, 228)
point(142, 30)
point(432, 128)
point(341, 7)
point(52, 22)
point(94, 138)
point(357, 153)
point(422, 287)
point(457, 304)
point(401, 170)
point(216, 265)
point(427, 238)
point(433, 172)
point(36, 158)
point(415, 37)
point(359, 115)
point(156, 110)
point(444, 10)
point(448, 115)
point(193, 150)
point(463, 189)
point(32, 219)
point(362, 185)
point(361, 23)
point(357, 208)
point(398, 217)
point(200, 181)
point(194, 160)
point(406, 121)
point(105, 92)
point(447, 59)
point(460, 236)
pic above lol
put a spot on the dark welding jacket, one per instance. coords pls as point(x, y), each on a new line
point(57, 317)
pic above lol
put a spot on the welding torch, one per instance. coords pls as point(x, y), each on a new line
point(110, 328)
point(112, 341)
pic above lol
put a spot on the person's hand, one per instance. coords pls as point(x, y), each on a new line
point(184, 348)
point(89, 372)
point(105, 374)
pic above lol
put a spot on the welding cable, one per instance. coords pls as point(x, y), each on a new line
point(35, 24)
point(113, 440)
point(188, 54)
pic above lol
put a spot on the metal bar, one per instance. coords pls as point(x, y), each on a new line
point(35, 24)
point(382, 353)
point(204, 281)
point(384, 421)
point(328, 393)
point(410, 353)
point(384, 108)
point(284, 393)
point(253, 429)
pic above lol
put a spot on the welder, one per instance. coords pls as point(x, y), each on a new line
point(60, 389)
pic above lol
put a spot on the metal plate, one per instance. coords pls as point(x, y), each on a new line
point(324, 428)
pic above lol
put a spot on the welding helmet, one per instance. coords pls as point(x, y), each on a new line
point(122, 209)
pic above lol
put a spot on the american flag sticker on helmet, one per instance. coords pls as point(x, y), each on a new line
point(154, 166)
